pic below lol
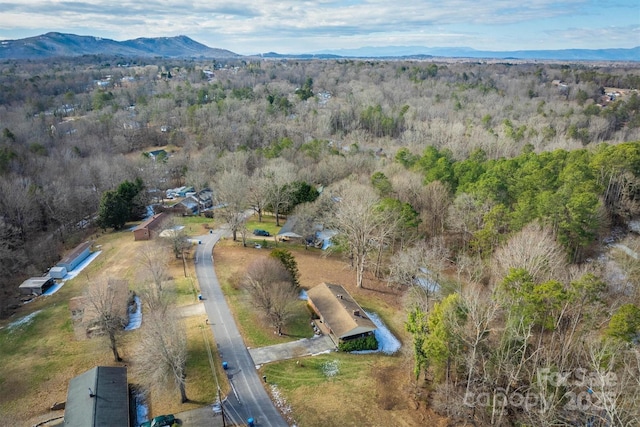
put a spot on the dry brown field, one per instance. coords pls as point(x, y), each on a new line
point(52, 354)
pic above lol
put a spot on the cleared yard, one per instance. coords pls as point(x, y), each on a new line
point(372, 389)
point(40, 356)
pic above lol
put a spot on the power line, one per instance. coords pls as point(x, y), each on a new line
point(215, 374)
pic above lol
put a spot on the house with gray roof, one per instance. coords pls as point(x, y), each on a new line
point(98, 397)
point(36, 285)
point(76, 256)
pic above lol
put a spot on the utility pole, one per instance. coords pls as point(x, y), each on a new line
point(184, 264)
point(224, 424)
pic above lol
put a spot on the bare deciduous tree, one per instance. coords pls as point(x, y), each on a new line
point(278, 173)
point(437, 201)
point(258, 193)
point(627, 257)
point(432, 200)
point(161, 356)
point(533, 249)
point(231, 196)
point(307, 221)
point(480, 313)
point(108, 303)
point(152, 259)
point(284, 299)
point(272, 290)
point(175, 237)
point(355, 216)
point(612, 375)
point(12, 257)
point(465, 216)
point(18, 203)
point(419, 262)
point(202, 167)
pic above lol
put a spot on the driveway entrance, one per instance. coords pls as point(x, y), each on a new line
point(290, 350)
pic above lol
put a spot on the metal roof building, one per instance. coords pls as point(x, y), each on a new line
point(36, 285)
point(76, 256)
point(286, 232)
point(98, 397)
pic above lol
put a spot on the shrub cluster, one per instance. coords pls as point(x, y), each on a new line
point(364, 343)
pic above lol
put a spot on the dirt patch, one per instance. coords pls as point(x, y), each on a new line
point(315, 266)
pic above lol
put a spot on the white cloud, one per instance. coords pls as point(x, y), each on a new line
point(292, 25)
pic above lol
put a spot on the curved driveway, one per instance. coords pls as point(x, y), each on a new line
point(254, 402)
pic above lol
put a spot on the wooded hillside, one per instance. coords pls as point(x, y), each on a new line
point(502, 182)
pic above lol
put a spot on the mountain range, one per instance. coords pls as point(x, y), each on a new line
point(51, 45)
point(54, 44)
point(632, 54)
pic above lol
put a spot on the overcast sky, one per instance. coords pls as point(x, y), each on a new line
point(295, 26)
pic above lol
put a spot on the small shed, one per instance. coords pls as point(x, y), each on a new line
point(58, 272)
point(36, 285)
point(339, 312)
point(76, 256)
point(145, 230)
point(98, 397)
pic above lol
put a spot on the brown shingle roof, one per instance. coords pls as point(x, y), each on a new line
point(152, 222)
point(339, 310)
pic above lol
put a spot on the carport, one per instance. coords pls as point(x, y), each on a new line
point(36, 285)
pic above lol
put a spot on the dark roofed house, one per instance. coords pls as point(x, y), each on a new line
point(205, 198)
point(76, 256)
point(145, 230)
point(339, 312)
point(36, 285)
point(98, 397)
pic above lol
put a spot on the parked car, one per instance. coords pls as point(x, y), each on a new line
point(160, 421)
point(258, 232)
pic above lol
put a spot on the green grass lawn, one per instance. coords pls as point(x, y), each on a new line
point(39, 357)
point(254, 330)
point(36, 354)
point(204, 375)
point(312, 371)
point(335, 389)
point(186, 290)
point(268, 224)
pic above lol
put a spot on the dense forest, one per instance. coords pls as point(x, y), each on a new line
point(504, 183)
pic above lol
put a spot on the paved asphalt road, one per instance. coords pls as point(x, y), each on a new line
point(250, 399)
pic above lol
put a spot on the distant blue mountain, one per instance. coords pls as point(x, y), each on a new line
point(632, 54)
point(68, 45)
